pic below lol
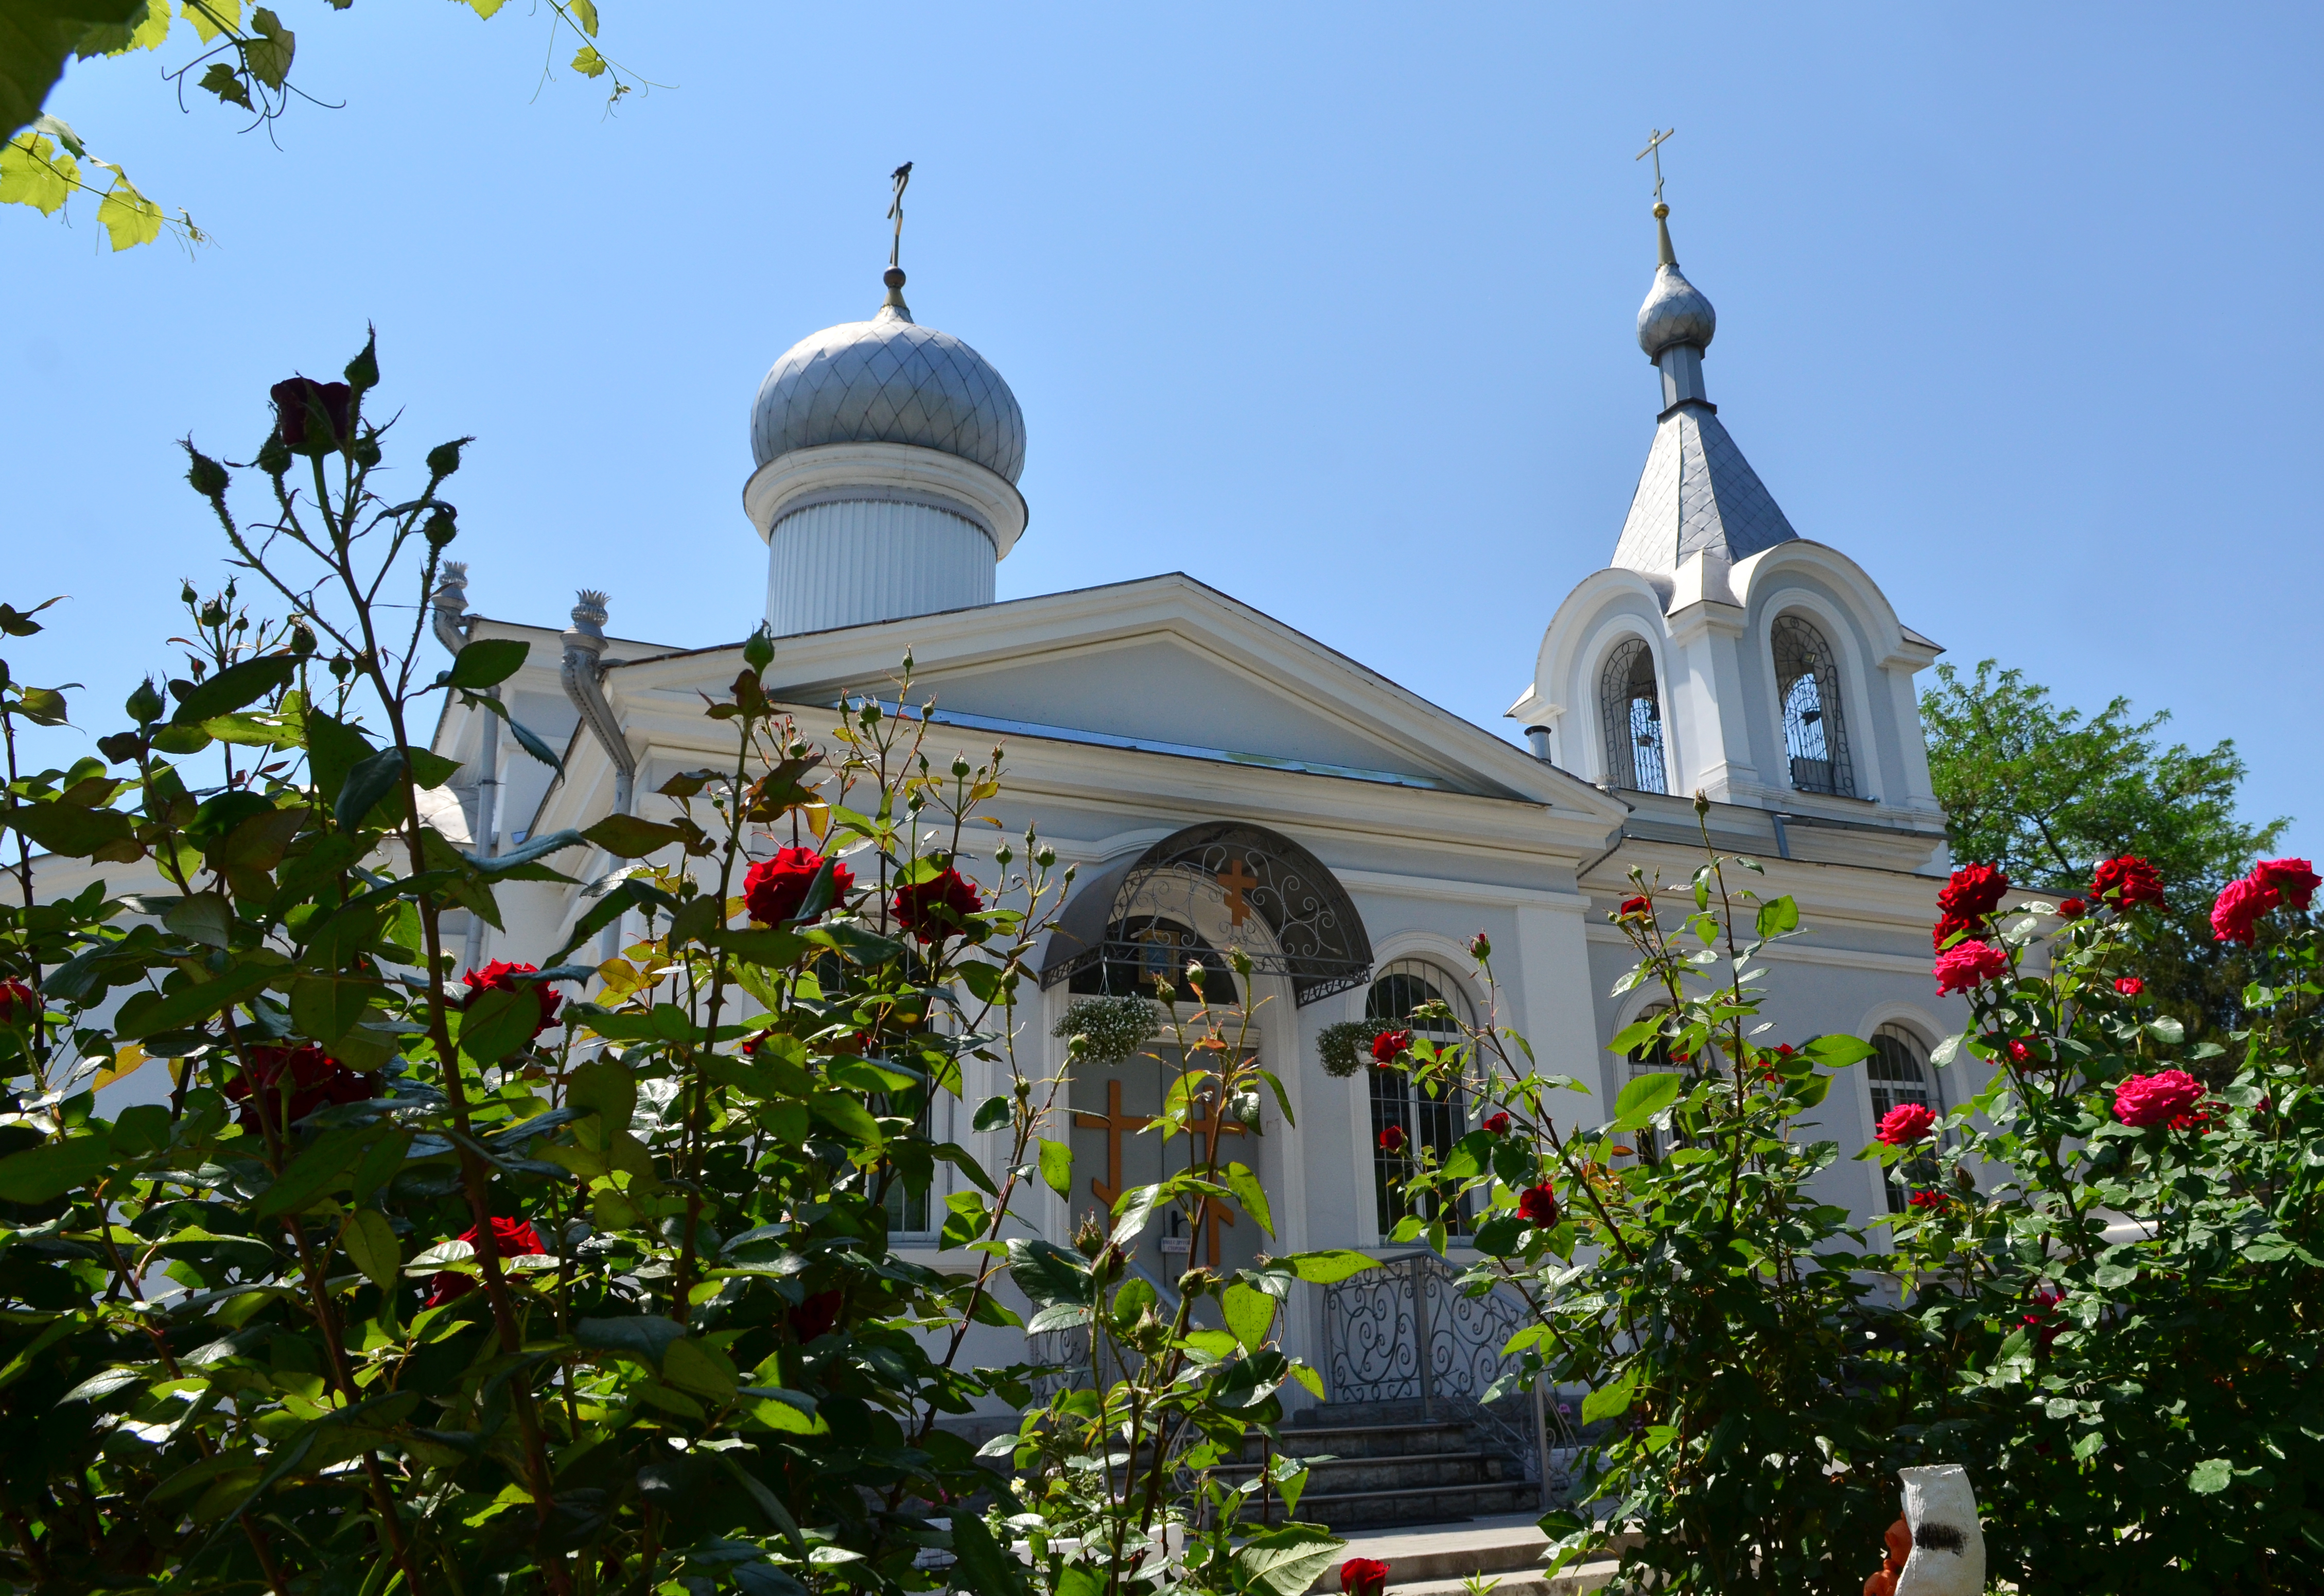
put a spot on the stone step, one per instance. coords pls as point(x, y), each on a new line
point(1345, 1475)
point(1364, 1440)
point(1426, 1504)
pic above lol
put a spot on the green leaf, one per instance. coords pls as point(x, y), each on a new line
point(236, 685)
point(1287, 1560)
point(2211, 1476)
point(369, 1241)
point(1644, 1097)
point(626, 836)
point(497, 1023)
point(71, 831)
point(689, 1367)
point(53, 1168)
point(38, 38)
point(334, 749)
point(1250, 1315)
point(1057, 1167)
point(1048, 1273)
point(312, 1172)
point(983, 1565)
point(1777, 916)
point(645, 1337)
point(371, 780)
point(604, 1088)
point(1836, 1052)
point(1328, 1266)
point(268, 47)
point(993, 1113)
point(327, 1007)
point(144, 1015)
point(1611, 1401)
point(1252, 1195)
point(487, 662)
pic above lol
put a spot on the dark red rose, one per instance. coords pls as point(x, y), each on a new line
point(2294, 878)
point(1974, 892)
point(500, 975)
point(775, 887)
point(1363, 1576)
point(2042, 1316)
point(1392, 1139)
point(2072, 908)
point(1538, 1205)
point(2130, 986)
point(817, 1314)
point(938, 908)
point(1390, 1046)
point(2241, 905)
point(296, 404)
point(2127, 881)
point(315, 1081)
point(1637, 908)
point(1497, 1124)
point(1906, 1124)
point(1927, 1199)
point(511, 1237)
point(2159, 1099)
point(18, 1005)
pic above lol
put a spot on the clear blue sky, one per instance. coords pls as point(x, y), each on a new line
point(1329, 307)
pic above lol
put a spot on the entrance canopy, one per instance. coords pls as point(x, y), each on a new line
point(1232, 886)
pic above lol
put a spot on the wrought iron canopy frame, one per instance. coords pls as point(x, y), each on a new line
point(1311, 930)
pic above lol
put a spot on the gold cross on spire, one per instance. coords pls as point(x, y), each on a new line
point(901, 177)
point(1654, 148)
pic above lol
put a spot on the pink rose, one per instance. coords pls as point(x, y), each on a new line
point(1968, 965)
point(2145, 1100)
point(1906, 1124)
point(2130, 986)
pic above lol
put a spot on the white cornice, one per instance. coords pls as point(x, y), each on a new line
point(831, 472)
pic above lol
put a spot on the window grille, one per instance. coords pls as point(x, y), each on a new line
point(1431, 1122)
point(1900, 1073)
point(908, 1208)
point(1815, 733)
point(1140, 952)
point(1633, 713)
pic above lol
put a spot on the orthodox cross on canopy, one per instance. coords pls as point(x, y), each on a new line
point(1654, 148)
point(901, 177)
point(1237, 879)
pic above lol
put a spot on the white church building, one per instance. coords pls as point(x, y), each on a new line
point(1219, 778)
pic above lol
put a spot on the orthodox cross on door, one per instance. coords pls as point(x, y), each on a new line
point(1654, 148)
point(1205, 1132)
point(1116, 1125)
point(1237, 879)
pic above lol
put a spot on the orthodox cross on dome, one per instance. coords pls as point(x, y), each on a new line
point(902, 176)
point(1237, 879)
point(1654, 148)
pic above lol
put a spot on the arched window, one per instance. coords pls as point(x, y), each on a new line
point(1632, 711)
point(1433, 1122)
point(1815, 733)
point(1900, 1073)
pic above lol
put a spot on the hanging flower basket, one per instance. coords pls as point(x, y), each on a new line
point(1346, 1047)
point(1116, 1027)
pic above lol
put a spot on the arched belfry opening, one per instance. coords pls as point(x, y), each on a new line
point(1631, 709)
point(1816, 728)
point(1197, 892)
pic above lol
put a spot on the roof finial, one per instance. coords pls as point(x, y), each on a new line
point(901, 177)
point(1665, 256)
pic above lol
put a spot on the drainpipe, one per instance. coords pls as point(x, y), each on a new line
point(583, 675)
point(1783, 838)
point(452, 625)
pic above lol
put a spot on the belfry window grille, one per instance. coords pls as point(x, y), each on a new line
point(1900, 1073)
point(1815, 733)
point(1632, 711)
point(1434, 1122)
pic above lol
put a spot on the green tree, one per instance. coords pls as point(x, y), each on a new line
point(2046, 792)
point(244, 61)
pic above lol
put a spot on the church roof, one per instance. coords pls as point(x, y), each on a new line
point(1697, 494)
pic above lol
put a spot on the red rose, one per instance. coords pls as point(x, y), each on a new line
point(1390, 1045)
point(1497, 1124)
point(1539, 1203)
point(2127, 881)
point(317, 1081)
point(1480, 947)
point(297, 404)
point(775, 887)
point(817, 1314)
point(1906, 1124)
point(938, 908)
point(2130, 986)
point(2072, 908)
point(1392, 1139)
point(500, 975)
point(2235, 915)
point(2294, 878)
point(18, 1005)
point(1363, 1576)
point(511, 1237)
point(1929, 1199)
point(1639, 907)
point(1968, 965)
point(1974, 892)
point(2145, 1100)
point(2019, 1051)
point(2042, 1316)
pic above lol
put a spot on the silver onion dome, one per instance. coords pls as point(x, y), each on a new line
point(889, 379)
point(1675, 312)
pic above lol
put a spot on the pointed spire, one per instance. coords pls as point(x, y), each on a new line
point(1668, 255)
